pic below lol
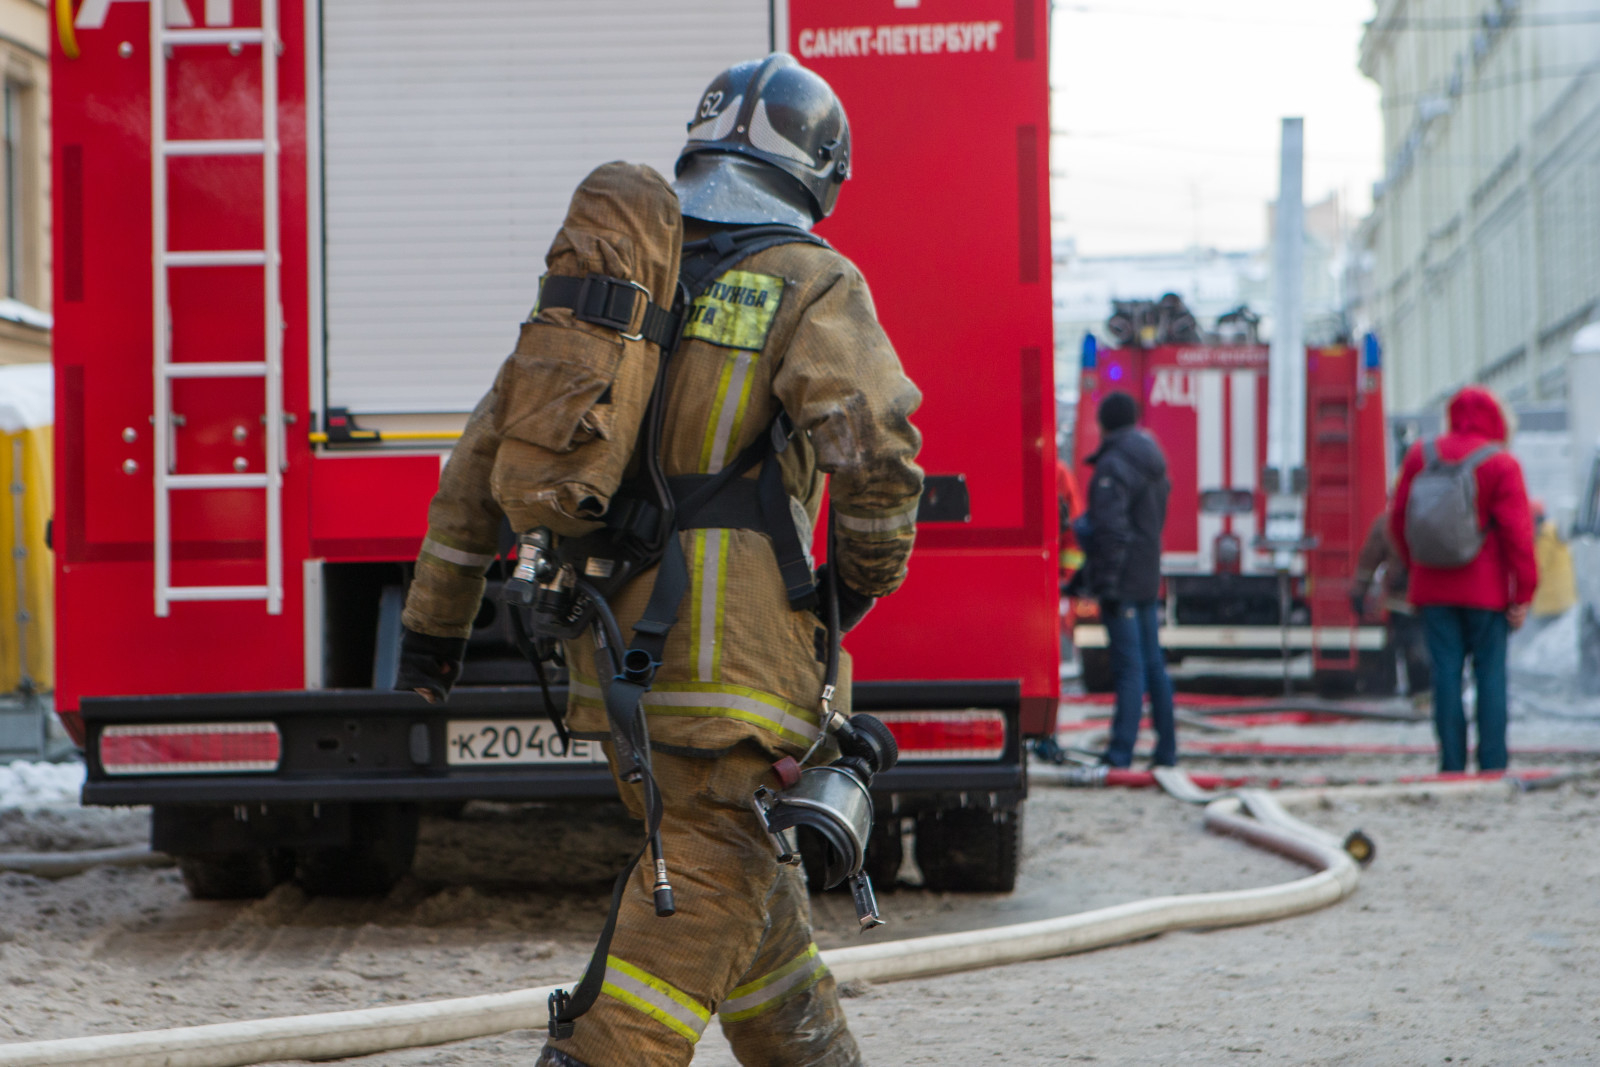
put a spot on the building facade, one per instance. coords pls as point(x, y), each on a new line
point(25, 27)
point(1482, 254)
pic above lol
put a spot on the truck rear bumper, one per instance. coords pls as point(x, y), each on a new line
point(1263, 639)
point(374, 746)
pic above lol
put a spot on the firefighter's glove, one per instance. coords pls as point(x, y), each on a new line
point(429, 665)
point(853, 606)
point(1358, 605)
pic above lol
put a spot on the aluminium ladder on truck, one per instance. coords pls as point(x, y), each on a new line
point(168, 44)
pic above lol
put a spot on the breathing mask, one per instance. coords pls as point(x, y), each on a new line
point(834, 802)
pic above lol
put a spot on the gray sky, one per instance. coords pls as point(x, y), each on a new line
point(1167, 117)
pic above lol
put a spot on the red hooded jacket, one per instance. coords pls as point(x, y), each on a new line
point(1503, 573)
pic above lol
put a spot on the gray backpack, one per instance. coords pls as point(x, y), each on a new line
point(1442, 527)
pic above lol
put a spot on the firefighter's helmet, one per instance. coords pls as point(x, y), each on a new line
point(769, 142)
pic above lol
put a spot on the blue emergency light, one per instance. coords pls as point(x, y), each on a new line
point(1371, 352)
point(1090, 351)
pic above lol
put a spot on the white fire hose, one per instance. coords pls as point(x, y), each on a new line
point(62, 864)
point(333, 1035)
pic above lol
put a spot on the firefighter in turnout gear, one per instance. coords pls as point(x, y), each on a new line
point(780, 355)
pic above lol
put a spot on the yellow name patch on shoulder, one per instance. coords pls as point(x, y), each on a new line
point(736, 311)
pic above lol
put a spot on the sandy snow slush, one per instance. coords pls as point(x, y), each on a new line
point(1471, 940)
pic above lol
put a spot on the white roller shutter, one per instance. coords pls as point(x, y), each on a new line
point(454, 135)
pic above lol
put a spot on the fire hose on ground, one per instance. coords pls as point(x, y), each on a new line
point(63, 864)
point(333, 1035)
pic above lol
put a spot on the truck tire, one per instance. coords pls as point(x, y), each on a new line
point(235, 875)
point(967, 850)
point(1378, 673)
point(383, 841)
point(1333, 684)
point(1096, 669)
point(1588, 650)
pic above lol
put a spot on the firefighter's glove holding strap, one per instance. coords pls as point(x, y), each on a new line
point(853, 606)
point(429, 665)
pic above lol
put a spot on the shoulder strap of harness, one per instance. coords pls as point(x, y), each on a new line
point(613, 303)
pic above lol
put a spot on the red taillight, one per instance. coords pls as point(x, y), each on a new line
point(935, 735)
point(190, 748)
point(1227, 551)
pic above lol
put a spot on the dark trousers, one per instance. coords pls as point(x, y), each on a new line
point(1453, 635)
point(1137, 667)
point(1405, 634)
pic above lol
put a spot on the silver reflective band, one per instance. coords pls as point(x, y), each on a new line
point(671, 1007)
point(772, 989)
point(456, 556)
point(713, 700)
point(906, 520)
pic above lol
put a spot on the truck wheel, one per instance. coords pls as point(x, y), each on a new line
point(1589, 651)
point(1334, 684)
point(235, 875)
point(383, 840)
point(885, 853)
point(1378, 673)
point(1096, 669)
point(965, 850)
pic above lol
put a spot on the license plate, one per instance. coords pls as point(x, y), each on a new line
point(490, 742)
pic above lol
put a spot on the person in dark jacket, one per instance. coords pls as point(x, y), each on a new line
point(1127, 510)
point(1468, 611)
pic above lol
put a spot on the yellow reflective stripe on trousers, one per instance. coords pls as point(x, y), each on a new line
point(671, 1007)
point(727, 411)
point(709, 555)
point(714, 700)
point(770, 990)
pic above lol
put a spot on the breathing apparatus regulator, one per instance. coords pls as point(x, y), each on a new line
point(832, 802)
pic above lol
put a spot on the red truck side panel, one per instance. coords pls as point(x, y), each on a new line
point(109, 640)
point(951, 231)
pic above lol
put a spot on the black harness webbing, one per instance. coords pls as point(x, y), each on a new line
point(686, 497)
point(610, 302)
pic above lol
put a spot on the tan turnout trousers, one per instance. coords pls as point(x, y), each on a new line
point(739, 946)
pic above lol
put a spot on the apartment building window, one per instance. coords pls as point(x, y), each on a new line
point(13, 132)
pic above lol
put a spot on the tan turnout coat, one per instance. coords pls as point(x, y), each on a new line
point(792, 325)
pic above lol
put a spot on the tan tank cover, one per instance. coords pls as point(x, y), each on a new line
point(573, 394)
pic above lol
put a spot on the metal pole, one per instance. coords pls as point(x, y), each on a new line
point(1286, 383)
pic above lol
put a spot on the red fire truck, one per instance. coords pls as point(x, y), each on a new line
point(1224, 596)
point(293, 242)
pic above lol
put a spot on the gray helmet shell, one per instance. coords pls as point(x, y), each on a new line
point(753, 119)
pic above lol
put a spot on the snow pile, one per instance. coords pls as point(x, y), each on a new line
point(40, 785)
point(1551, 654)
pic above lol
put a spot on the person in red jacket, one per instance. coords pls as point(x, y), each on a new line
point(1468, 611)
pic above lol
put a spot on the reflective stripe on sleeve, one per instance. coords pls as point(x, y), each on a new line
point(660, 1000)
point(478, 560)
point(881, 524)
point(715, 700)
point(770, 990)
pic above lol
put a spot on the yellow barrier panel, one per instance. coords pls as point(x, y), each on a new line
point(27, 587)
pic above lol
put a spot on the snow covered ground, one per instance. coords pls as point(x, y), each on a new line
point(26, 784)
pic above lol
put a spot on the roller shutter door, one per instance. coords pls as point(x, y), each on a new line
point(453, 137)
